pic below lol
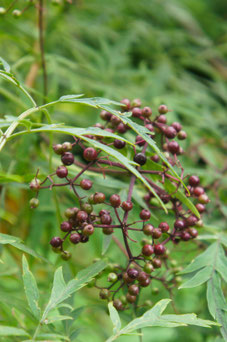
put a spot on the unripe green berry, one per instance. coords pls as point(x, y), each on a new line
point(104, 294)
point(66, 255)
point(16, 13)
point(34, 202)
point(112, 277)
point(148, 268)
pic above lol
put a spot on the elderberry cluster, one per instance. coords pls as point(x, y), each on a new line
point(109, 213)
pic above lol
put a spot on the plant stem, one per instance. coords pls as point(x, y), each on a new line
point(41, 46)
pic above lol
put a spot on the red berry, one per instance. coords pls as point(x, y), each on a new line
point(103, 212)
point(136, 103)
point(90, 154)
point(179, 224)
point(105, 115)
point(157, 263)
point(185, 236)
point(142, 276)
point(132, 273)
point(127, 104)
point(198, 191)
point(88, 230)
point(99, 197)
point(106, 219)
point(118, 304)
point(107, 231)
point(62, 171)
point(204, 199)
point(56, 241)
point(115, 120)
point(86, 184)
point(200, 207)
point(140, 141)
point(163, 109)
point(127, 205)
point(121, 128)
point(148, 229)
point(162, 119)
point(136, 112)
point(66, 226)
point(182, 135)
point(159, 249)
point(193, 232)
point(75, 238)
point(130, 298)
point(145, 215)
point(164, 226)
point(145, 283)
point(155, 158)
point(150, 127)
point(173, 147)
point(177, 126)
point(115, 201)
point(147, 250)
point(157, 233)
point(147, 112)
point(193, 181)
point(140, 158)
point(82, 216)
point(119, 144)
point(191, 220)
point(170, 132)
point(67, 158)
point(134, 290)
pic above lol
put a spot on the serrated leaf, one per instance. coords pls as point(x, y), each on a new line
point(61, 291)
point(199, 278)
point(115, 318)
point(31, 289)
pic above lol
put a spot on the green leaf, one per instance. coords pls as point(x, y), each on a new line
point(199, 278)
point(5, 65)
point(11, 331)
point(52, 337)
point(154, 317)
point(115, 318)
point(61, 291)
point(106, 240)
point(31, 289)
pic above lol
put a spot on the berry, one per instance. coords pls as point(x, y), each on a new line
point(130, 298)
point(147, 112)
point(88, 230)
point(66, 226)
point(115, 201)
point(58, 149)
point(185, 236)
point(162, 119)
point(121, 128)
point(177, 126)
point(140, 158)
point(75, 238)
point(71, 212)
point(159, 249)
point(56, 241)
point(142, 277)
point(117, 303)
point(115, 120)
point(133, 290)
point(126, 278)
point(193, 232)
point(66, 255)
point(66, 146)
point(62, 171)
point(106, 219)
point(2, 10)
point(179, 224)
point(34, 202)
point(107, 231)
point(126, 102)
point(99, 197)
point(132, 273)
point(136, 112)
point(16, 13)
point(119, 144)
point(90, 154)
point(145, 215)
point(35, 184)
point(105, 115)
point(148, 268)
point(67, 158)
point(191, 220)
point(145, 283)
point(87, 207)
point(173, 147)
point(157, 233)
point(86, 184)
point(170, 132)
point(182, 135)
point(157, 263)
point(148, 229)
point(140, 141)
point(82, 216)
point(127, 205)
point(136, 103)
point(198, 191)
point(155, 158)
point(204, 199)
point(163, 109)
point(200, 207)
point(112, 277)
point(193, 181)
point(84, 239)
point(103, 212)
point(164, 226)
point(147, 250)
point(150, 127)
point(104, 294)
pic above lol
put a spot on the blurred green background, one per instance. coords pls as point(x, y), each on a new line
point(162, 51)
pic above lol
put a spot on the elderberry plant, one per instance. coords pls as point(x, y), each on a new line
point(161, 189)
